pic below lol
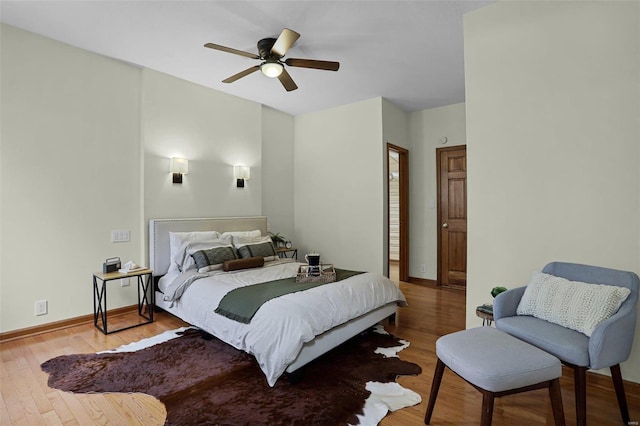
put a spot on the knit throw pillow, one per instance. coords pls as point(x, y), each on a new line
point(572, 304)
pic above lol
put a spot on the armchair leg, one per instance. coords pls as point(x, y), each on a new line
point(618, 384)
point(435, 387)
point(580, 380)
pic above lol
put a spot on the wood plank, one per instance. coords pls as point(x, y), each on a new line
point(433, 311)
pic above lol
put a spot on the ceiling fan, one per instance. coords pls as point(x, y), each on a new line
point(271, 51)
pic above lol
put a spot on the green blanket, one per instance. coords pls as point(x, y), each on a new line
point(241, 304)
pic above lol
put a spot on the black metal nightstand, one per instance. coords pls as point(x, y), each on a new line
point(283, 253)
point(146, 297)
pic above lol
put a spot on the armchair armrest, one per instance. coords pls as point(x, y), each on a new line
point(506, 303)
point(610, 343)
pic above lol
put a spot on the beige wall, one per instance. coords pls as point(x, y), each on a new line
point(277, 176)
point(86, 142)
point(395, 130)
point(213, 131)
point(428, 128)
point(69, 175)
point(339, 185)
point(552, 106)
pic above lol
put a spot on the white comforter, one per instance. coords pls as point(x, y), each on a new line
point(282, 325)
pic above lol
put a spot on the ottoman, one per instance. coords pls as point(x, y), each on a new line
point(496, 364)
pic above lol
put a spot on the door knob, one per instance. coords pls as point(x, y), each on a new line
point(445, 225)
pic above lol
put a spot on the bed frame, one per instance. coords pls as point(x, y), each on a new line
point(159, 261)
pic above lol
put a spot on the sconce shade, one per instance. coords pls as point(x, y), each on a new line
point(179, 167)
point(241, 173)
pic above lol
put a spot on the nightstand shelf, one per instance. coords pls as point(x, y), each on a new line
point(146, 297)
point(287, 253)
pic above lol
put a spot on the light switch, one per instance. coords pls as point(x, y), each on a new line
point(120, 236)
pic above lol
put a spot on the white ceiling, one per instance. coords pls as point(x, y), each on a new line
point(410, 52)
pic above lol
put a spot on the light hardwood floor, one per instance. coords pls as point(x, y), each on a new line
point(27, 400)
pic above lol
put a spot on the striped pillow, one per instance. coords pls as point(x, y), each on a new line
point(571, 304)
point(213, 258)
point(253, 247)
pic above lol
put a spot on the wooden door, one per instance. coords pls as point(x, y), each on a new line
point(452, 215)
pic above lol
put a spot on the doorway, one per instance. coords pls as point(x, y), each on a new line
point(398, 212)
point(452, 215)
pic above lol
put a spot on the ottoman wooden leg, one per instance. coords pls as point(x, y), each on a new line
point(487, 408)
point(435, 386)
point(556, 402)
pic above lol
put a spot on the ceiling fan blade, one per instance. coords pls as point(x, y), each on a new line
point(230, 50)
point(287, 81)
point(285, 40)
point(312, 63)
point(241, 74)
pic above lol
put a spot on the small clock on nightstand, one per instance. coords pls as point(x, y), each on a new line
point(288, 244)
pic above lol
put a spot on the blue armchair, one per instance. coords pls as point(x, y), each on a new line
point(609, 344)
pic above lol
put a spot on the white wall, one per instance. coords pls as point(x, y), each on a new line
point(339, 185)
point(428, 127)
point(68, 118)
point(277, 176)
point(553, 100)
point(213, 131)
point(86, 142)
point(395, 130)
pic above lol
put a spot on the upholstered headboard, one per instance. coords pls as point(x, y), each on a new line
point(159, 256)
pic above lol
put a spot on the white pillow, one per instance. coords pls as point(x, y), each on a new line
point(261, 246)
point(177, 241)
point(243, 234)
point(572, 304)
point(181, 259)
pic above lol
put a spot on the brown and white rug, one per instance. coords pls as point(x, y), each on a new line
point(202, 380)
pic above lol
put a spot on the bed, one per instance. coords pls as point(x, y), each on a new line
point(286, 332)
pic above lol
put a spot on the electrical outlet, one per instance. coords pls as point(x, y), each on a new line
point(41, 307)
point(423, 267)
point(124, 282)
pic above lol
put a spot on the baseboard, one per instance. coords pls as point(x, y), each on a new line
point(422, 281)
point(59, 325)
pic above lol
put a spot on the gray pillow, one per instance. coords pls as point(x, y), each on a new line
point(265, 249)
point(213, 258)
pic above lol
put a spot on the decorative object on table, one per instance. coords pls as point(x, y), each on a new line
point(288, 244)
point(313, 259)
point(316, 274)
point(278, 240)
point(112, 264)
point(231, 387)
point(497, 290)
point(486, 313)
point(130, 266)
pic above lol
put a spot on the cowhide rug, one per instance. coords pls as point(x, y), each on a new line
point(202, 380)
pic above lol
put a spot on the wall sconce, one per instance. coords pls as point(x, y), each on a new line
point(241, 173)
point(179, 167)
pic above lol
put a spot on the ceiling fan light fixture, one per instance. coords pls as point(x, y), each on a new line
point(271, 69)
